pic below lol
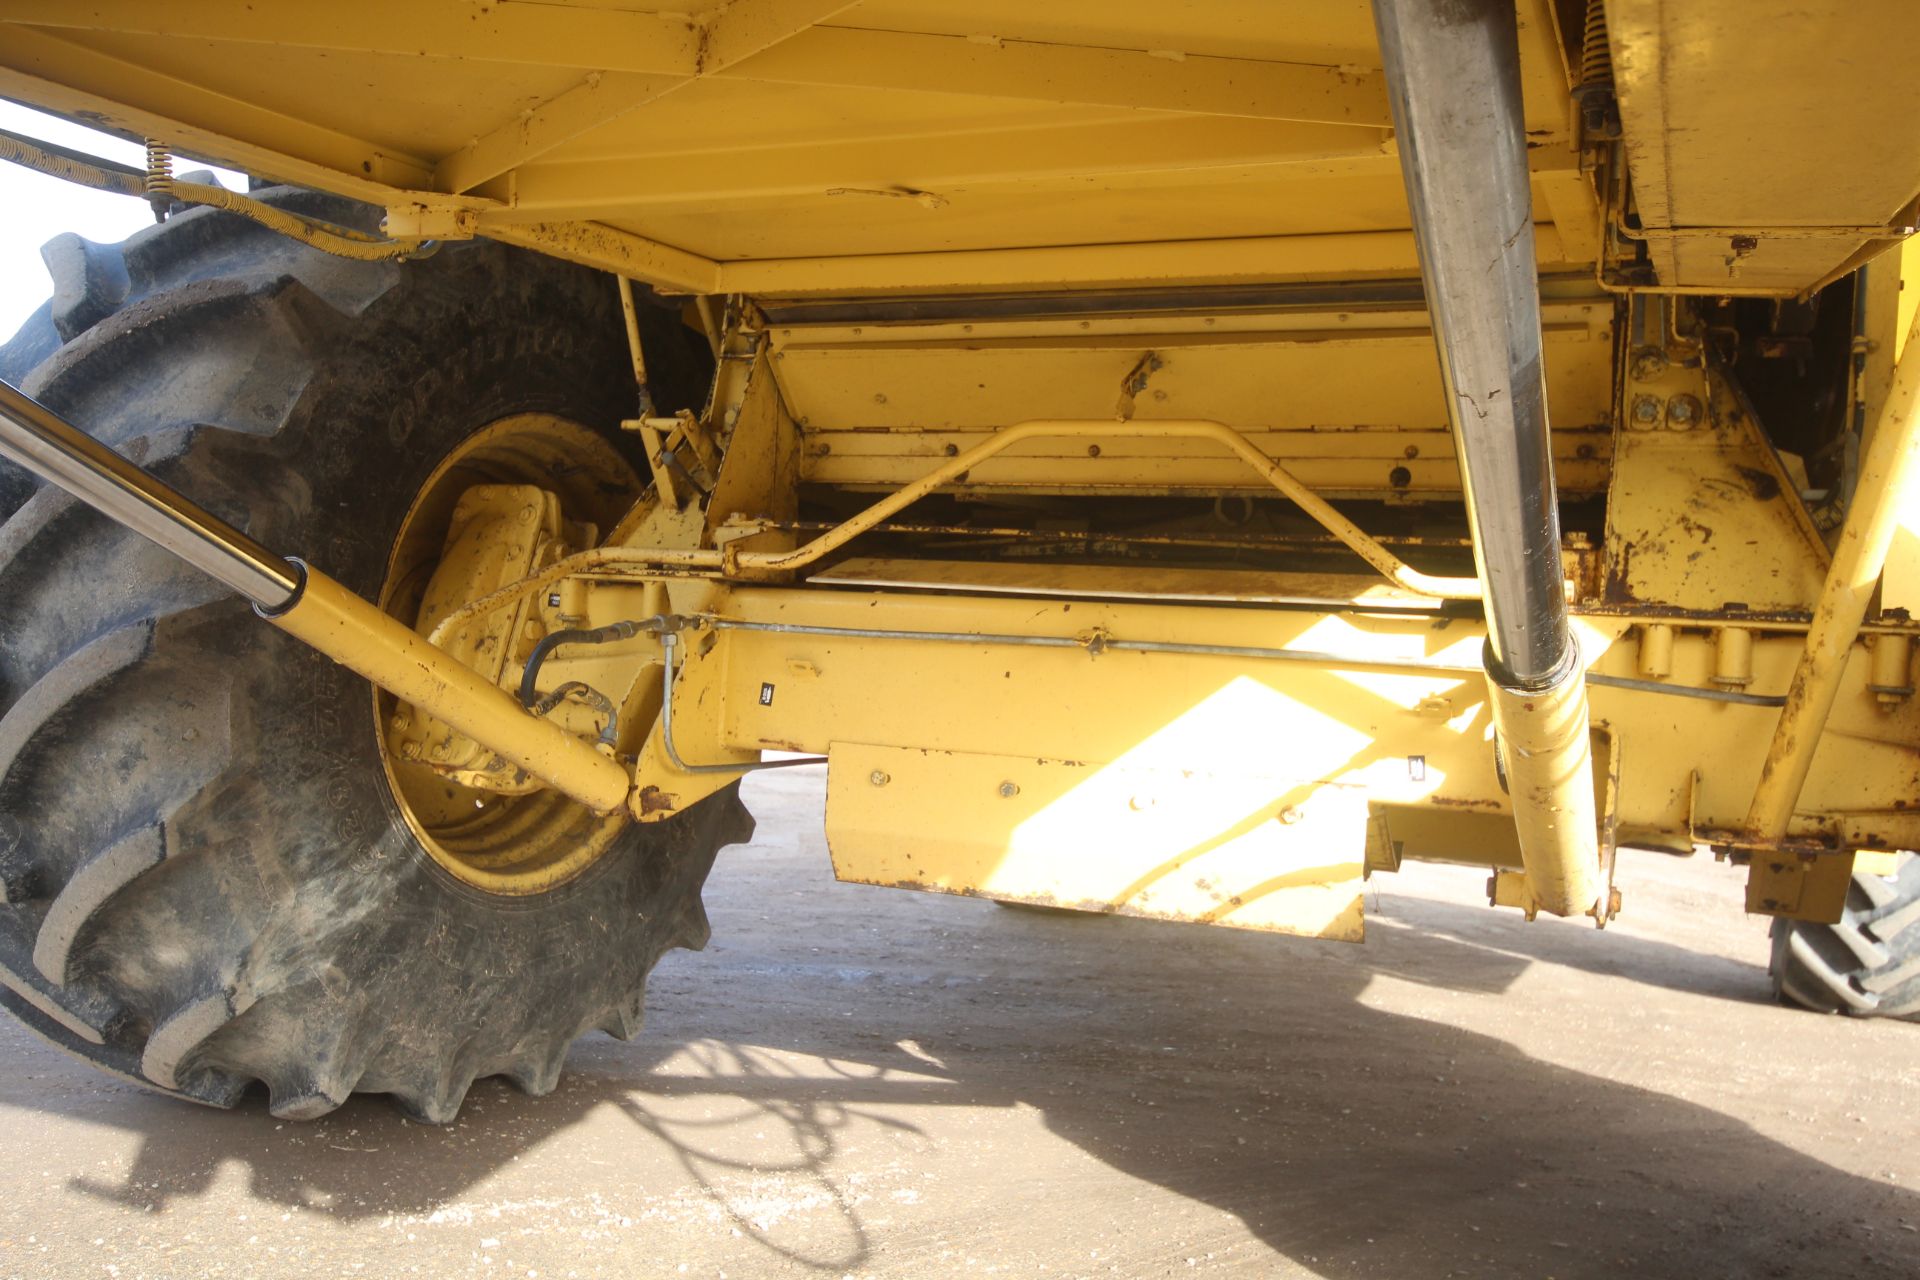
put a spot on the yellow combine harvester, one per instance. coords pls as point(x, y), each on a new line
point(1031, 409)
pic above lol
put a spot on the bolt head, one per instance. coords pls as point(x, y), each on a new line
point(879, 778)
point(1646, 410)
point(1290, 815)
point(1008, 790)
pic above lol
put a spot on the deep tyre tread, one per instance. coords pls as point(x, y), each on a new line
point(208, 886)
point(1868, 964)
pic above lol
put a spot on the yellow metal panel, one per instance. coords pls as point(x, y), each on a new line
point(1250, 850)
point(1370, 378)
point(1333, 462)
point(703, 118)
point(1282, 220)
point(1805, 886)
point(1451, 835)
point(1273, 225)
point(740, 30)
point(1145, 581)
point(906, 62)
point(424, 31)
point(196, 118)
point(1700, 512)
point(919, 129)
point(1766, 113)
point(959, 162)
point(400, 102)
point(565, 114)
point(1334, 32)
point(1351, 402)
point(1067, 704)
point(1068, 726)
point(1361, 256)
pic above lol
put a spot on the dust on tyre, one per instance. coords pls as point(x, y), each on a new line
point(208, 882)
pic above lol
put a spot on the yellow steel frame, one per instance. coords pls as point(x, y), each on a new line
point(1382, 708)
point(795, 150)
point(1003, 131)
point(930, 145)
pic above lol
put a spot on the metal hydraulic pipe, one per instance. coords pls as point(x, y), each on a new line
point(1453, 82)
point(1889, 480)
point(306, 603)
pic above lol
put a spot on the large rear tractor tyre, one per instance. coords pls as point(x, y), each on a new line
point(1867, 965)
point(209, 879)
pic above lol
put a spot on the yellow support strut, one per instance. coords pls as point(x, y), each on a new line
point(1889, 471)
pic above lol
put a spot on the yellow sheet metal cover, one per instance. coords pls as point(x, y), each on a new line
point(784, 147)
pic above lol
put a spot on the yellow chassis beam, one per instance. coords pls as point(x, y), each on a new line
point(1080, 706)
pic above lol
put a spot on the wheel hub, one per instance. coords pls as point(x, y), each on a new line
point(512, 499)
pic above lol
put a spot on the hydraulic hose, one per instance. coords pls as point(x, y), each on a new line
point(530, 675)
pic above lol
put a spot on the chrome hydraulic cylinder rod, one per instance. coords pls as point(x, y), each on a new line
point(306, 603)
point(38, 439)
point(1453, 83)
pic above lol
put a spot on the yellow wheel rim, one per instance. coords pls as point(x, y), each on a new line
point(506, 844)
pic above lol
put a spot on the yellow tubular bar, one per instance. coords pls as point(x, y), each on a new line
point(727, 560)
point(338, 243)
point(632, 316)
point(70, 166)
point(1349, 533)
point(1547, 749)
point(365, 640)
point(1887, 474)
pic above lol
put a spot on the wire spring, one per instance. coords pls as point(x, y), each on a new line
point(1599, 111)
point(1596, 55)
point(159, 179)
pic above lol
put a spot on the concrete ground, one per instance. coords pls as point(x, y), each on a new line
point(863, 1082)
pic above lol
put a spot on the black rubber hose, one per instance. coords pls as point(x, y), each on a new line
point(529, 678)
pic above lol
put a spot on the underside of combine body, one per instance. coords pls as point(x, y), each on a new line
point(1168, 460)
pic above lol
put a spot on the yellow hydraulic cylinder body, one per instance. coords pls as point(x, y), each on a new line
point(1547, 751)
point(362, 638)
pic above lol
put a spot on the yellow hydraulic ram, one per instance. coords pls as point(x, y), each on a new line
point(306, 604)
point(1453, 81)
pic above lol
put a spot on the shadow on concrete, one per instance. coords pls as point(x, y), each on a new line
point(1236, 1070)
point(1352, 1140)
